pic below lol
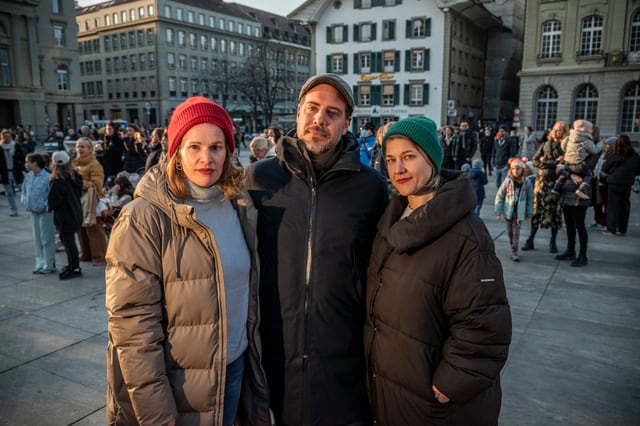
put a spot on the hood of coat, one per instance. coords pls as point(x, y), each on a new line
point(454, 200)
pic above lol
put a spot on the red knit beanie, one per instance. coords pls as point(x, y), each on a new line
point(197, 110)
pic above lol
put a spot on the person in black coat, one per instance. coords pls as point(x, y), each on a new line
point(318, 206)
point(620, 169)
point(438, 323)
point(65, 189)
point(12, 168)
point(486, 148)
point(158, 148)
point(111, 150)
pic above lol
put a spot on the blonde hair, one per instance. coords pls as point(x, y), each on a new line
point(260, 143)
point(85, 140)
point(230, 182)
point(381, 131)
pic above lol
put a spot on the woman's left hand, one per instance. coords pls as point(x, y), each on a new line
point(442, 398)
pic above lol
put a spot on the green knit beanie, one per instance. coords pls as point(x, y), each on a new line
point(422, 131)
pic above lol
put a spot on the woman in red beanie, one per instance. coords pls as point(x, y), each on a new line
point(182, 286)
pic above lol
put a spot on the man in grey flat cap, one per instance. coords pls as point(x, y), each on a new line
point(317, 213)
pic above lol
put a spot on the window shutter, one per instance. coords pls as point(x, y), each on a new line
point(345, 33)
point(407, 60)
point(356, 32)
point(408, 29)
point(375, 95)
point(329, 64)
point(356, 63)
point(396, 94)
point(345, 64)
point(396, 62)
point(427, 27)
point(407, 87)
point(392, 30)
point(427, 60)
point(357, 4)
point(376, 62)
point(328, 35)
point(356, 96)
point(373, 31)
point(425, 94)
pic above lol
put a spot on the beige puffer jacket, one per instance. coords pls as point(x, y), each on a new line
point(166, 355)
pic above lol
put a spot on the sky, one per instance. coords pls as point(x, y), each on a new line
point(279, 7)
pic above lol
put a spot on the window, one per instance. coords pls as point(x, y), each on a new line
point(141, 12)
point(5, 68)
point(182, 62)
point(546, 107)
point(190, 17)
point(240, 28)
point(181, 39)
point(97, 64)
point(99, 90)
point(183, 88)
point(337, 34)
point(550, 42)
point(365, 62)
point(365, 32)
point(221, 23)
point(417, 60)
point(586, 103)
point(212, 21)
point(140, 36)
point(115, 19)
point(116, 64)
point(56, 6)
point(388, 30)
point(171, 60)
point(230, 26)
point(152, 60)
point(96, 23)
point(150, 10)
point(123, 41)
point(201, 19)
point(203, 42)
point(634, 33)
point(141, 61)
point(214, 65)
point(223, 46)
point(58, 36)
point(107, 20)
point(194, 63)
point(179, 14)
point(152, 86)
point(132, 39)
point(233, 48)
point(124, 16)
point(62, 74)
point(193, 44)
point(150, 37)
point(114, 42)
point(416, 91)
point(417, 28)
point(241, 49)
point(630, 122)
point(364, 95)
point(591, 36)
point(388, 92)
point(172, 86)
point(204, 64)
point(132, 14)
point(214, 44)
point(107, 65)
point(194, 86)
point(167, 11)
point(107, 43)
point(337, 62)
point(389, 61)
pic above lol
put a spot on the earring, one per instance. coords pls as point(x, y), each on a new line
point(178, 166)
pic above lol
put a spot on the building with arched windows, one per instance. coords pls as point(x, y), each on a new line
point(39, 71)
point(581, 60)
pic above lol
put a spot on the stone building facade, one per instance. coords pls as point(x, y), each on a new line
point(139, 59)
point(39, 68)
point(582, 61)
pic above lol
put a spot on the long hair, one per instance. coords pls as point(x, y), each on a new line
point(565, 130)
point(64, 171)
point(230, 182)
point(623, 145)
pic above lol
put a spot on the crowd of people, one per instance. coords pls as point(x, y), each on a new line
point(337, 278)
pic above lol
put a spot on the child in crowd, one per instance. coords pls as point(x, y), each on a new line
point(64, 200)
point(577, 147)
point(478, 181)
point(514, 202)
point(34, 196)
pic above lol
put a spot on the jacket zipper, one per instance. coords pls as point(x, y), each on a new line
point(307, 291)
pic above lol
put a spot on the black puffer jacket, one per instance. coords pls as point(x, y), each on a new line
point(64, 201)
point(621, 169)
point(437, 314)
point(314, 241)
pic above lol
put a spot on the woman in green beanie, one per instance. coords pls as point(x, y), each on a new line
point(438, 323)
